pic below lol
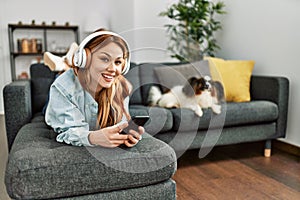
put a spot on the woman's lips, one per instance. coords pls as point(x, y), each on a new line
point(108, 77)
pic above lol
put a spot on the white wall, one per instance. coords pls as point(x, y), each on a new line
point(266, 31)
point(150, 34)
point(145, 31)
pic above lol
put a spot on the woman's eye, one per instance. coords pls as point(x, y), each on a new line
point(104, 59)
point(118, 62)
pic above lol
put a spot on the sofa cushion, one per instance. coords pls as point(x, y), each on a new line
point(235, 76)
point(233, 114)
point(38, 166)
point(170, 76)
point(41, 79)
point(148, 78)
point(133, 78)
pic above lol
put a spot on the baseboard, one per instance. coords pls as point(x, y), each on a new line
point(289, 148)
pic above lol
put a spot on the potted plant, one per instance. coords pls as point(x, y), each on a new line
point(192, 33)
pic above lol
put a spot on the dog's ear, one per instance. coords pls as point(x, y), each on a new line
point(217, 90)
point(188, 88)
point(203, 83)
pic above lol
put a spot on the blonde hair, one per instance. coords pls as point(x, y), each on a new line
point(111, 103)
point(111, 108)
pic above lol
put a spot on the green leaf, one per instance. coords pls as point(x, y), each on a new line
point(195, 25)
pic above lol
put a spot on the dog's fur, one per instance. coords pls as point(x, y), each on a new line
point(196, 94)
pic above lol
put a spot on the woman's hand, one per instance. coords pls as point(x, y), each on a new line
point(110, 136)
point(134, 137)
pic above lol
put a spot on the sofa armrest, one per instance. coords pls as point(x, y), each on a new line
point(275, 89)
point(17, 107)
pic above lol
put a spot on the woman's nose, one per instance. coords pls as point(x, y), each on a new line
point(112, 67)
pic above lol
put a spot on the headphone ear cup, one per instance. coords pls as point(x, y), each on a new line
point(87, 56)
point(82, 64)
point(76, 58)
point(80, 58)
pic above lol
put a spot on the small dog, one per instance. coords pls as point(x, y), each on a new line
point(196, 94)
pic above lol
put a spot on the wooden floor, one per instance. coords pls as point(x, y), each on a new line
point(238, 172)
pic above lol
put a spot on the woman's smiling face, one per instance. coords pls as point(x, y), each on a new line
point(106, 64)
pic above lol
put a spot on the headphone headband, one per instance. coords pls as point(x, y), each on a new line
point(80, 57)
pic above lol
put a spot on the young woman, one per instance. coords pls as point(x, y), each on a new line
point(88, 104)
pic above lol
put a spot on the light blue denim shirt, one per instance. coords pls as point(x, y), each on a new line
point(72, 111)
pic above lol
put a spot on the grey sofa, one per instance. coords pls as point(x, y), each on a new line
point(262, 119)
point(39, 167)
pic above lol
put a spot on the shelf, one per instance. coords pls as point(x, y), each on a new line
point(29, 26)
point(46, 31)
point(26, 54)
point(15, 54)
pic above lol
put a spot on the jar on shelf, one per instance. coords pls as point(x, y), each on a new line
point(39, 45)
point(25, 45)
point(33, 45)
point(23, 75)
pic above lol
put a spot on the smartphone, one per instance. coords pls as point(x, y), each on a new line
point(135, 122)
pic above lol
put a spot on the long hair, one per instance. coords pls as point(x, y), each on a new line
point(110, 100)
point(111, 103)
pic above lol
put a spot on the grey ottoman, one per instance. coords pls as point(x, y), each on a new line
point(40, 168)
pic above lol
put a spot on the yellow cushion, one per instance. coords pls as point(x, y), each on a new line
point(235, 76)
